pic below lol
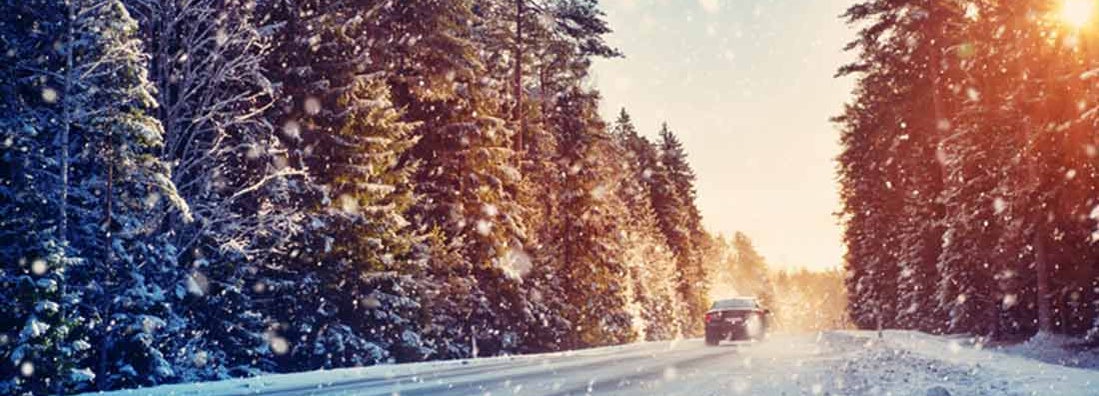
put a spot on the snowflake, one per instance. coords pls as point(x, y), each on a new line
point(49, 95)
point(26, 369)
point(484, 228)
point(39, 267)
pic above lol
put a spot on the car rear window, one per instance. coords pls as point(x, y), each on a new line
point(735, 303)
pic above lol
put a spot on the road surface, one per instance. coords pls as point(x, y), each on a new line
point(830, 363)
point(781, 365)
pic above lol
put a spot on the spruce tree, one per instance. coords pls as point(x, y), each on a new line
point(347, 294)
point(42, 336)
point(586, 237)
point(207, 69)
point(468, 176)
point(673, 193)
point(648, 258)
point(129, 269)
point(91, 92)
point(751, 273)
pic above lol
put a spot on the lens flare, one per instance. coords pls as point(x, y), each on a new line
point(1077, 13)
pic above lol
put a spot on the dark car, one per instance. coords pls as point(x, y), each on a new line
point(736, 319)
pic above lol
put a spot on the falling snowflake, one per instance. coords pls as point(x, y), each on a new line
point(278, 344)
point(312, 106)
point(200, 359)
point(26, 369)
point(973, 94)
point(292, 130)
point(49, 95)
point(39, 267)
point(197, 284)
point(999, 205)
point(954, 347)
point(371, 302)
point(484, 228)
point(348, 204)
point(943, 124)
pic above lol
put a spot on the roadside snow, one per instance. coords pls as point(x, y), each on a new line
point(367, 377)
point(913, 363)
point(1056, 349)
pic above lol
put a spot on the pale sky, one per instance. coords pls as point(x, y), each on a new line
point(748, 87)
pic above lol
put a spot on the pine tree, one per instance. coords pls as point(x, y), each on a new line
point(751, 273)
point(118, 181)
point(369, 267)
point(468, 177)
point(358, 286)
point(869, 215)
point(42, 336)
point(586, 237)
point(900, 115)
point(91, 80)
point(994, 94)
point(673, 194)
point(90, 88)
point(227, 163)
point(649, 260)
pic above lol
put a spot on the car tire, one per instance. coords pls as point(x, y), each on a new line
point(712, 341)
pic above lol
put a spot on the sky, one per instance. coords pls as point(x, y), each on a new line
point(748, 86)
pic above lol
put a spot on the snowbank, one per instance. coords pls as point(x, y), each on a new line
point(908, 362)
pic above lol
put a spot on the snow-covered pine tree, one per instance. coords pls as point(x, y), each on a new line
point(89, 87)
point(751, 273)
point(555, 46)
point(586, 237)
point(103, 98)
point(966, 289)
point(510, 35)
point(869, 261)
point(468, 185)
point(882, 166)
point(911, 65)
point(347, 295)
point(42, 337)
point(467, 178)
point(921, 82)
point(229, 166)
point(681, 223)
point(369, 264)
point(668, 204)
point(648, 258)
point(1055, 173)
point(1029, 172)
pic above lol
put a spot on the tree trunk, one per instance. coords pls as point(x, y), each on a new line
point(66, 106)
point(1045, 317)
point(519, 76)
point(110, 199)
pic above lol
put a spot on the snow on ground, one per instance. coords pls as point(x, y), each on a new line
point(831, 363)
point(908, 363)
point(1056, 349)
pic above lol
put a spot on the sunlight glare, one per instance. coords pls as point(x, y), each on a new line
point(1077, 13)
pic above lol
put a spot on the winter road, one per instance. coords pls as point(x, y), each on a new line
point(784, 364)
point(831, 363)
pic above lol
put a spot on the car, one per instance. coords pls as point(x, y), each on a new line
point(741, 318)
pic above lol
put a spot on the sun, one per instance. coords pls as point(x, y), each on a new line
point(1077, 13)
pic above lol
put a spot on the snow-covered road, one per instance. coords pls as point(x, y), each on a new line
point(685, 367)
point(834, 363)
